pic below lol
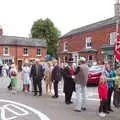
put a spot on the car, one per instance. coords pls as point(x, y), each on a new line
point(94, 74)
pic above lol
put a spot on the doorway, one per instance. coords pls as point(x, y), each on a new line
point(19, 65)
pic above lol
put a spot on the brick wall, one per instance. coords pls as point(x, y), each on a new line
point(17, 52)
point(99, 37)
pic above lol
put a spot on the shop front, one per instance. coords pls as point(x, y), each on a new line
point(6, 60)
point(107, 52)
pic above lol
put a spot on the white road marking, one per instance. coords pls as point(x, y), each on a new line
point(38, 113)
point(16, 107)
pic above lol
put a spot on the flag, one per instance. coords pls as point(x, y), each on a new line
point(117, 48)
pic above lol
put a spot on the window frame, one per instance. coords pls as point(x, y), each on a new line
point(65, 44)
point(27, 51)
point(88, 40)
point(4, 51)
point(112, 36)
point(37, 52)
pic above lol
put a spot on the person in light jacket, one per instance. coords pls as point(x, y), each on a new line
point(26, 76)
point(48, 79)
point(81, 77)
point(116, 96)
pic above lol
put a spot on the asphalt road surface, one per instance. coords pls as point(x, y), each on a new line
point(21, 106)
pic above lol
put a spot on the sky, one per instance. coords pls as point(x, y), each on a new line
point(17, 16)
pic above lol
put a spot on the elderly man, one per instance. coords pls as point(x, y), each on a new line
point(81, 78)
point(36, 73)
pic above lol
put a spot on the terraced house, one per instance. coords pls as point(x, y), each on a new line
point(94, 41)
point(18, 49)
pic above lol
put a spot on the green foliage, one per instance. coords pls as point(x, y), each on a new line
point(45, 30)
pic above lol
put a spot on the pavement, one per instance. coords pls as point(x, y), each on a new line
point(25, 106)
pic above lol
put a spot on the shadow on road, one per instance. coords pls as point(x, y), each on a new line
point(92, 85)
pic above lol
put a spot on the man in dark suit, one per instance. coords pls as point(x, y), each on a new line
point(1, 69)
point(56, 77)
point(68, 77)
point(36, 73)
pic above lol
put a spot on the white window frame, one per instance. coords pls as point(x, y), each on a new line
point(4, 51)
point(112, 38)
point(89, 57)
point(38, 51)
point(65, 44)
point(88, 40)
point(26, 54)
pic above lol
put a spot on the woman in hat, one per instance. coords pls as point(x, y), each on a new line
point(26, 78)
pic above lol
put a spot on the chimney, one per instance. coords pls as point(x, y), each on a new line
point(117, 8)
point(1, 31)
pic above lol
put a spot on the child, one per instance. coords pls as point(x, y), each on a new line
point(116, 97)
point(26, 78)
point(102, 91)
point(13, 74)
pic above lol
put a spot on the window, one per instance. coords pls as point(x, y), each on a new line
point(5, 51)
point(88, 41)
point(65, 46)
point(112, 37)
point(26, 52)
point(38, 51)
point(90, 57)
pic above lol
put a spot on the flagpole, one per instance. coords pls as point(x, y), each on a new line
point(117, 33)
point(117, 28)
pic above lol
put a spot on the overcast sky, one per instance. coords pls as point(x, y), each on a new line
point(17, 16)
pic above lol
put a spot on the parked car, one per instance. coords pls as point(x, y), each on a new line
point(94, 74)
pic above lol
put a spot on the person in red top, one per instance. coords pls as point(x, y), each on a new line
point(102, 92)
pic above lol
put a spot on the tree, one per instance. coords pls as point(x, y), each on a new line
point(45, 30)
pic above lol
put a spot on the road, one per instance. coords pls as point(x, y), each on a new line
point(23, 106)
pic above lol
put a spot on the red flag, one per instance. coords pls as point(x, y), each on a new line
point(117, 47)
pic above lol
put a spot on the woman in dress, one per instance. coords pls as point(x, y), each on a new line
point(48, 78)
point(26, 78)
point(13, 74)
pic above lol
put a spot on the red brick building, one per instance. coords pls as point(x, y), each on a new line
point(94, 41)
point(18, 49)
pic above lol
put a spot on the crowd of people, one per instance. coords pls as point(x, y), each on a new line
point(75, 79)
point(109, 84)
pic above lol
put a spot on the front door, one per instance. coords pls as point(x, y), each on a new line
point(19, 65)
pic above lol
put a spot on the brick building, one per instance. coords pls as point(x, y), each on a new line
point(18, 49)
point(94, 41)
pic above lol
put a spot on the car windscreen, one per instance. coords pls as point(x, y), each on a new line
point(96, 68)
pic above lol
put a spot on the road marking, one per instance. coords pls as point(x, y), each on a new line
point(16, 105)
point(24, 112)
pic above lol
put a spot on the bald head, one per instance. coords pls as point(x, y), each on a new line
point(37, 61)
point(54, 61)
